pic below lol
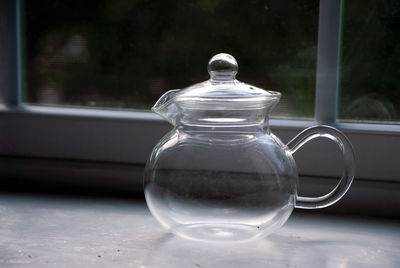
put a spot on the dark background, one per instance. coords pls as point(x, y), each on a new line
point(125, 54)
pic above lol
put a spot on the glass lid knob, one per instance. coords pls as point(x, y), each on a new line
point(222, 67)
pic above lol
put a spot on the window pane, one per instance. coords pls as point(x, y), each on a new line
point(125, 54)
point(370, 69)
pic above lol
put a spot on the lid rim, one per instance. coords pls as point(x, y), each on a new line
point(202, 103)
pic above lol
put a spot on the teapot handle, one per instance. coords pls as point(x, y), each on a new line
point(348, 158)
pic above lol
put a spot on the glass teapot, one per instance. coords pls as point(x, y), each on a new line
point(220, 174)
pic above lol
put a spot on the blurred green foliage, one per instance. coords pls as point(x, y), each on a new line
point(126, 53)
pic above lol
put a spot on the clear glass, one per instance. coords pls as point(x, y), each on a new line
point(370, 66)
point(124, 54)
point(221, 175)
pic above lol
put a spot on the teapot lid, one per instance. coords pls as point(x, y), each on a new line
point(223, 91)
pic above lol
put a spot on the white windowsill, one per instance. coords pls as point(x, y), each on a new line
point(42, 231)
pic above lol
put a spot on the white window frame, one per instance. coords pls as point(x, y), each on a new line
point(127, 137)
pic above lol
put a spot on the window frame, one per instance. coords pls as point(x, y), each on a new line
point(128, 136)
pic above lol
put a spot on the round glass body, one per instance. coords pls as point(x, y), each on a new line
point(221, 185)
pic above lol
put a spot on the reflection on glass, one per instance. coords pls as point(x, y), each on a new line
point(126, 54)
point(370, 68)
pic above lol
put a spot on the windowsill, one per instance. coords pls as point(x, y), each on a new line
point(128, 137)
point(61, 232)
point(359, 127)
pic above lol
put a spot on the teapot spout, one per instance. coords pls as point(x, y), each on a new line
point(167, 108)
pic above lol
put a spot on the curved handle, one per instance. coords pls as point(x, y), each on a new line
point(348, 159)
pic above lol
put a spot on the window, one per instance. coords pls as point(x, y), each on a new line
point(126, 137)
point(369, 66)
point(125, 54)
